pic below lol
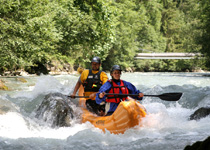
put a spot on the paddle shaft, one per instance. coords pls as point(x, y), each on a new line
point(128, 94)
point(80, 96)
point(116, 94)
point(165, 96)
point(108, 94)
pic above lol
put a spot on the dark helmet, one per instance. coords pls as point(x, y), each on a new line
point(96, 59)
point(115, 67)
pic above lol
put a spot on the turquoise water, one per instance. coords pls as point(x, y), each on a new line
point(166, 126)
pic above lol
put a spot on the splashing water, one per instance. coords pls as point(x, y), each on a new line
point(167, 125)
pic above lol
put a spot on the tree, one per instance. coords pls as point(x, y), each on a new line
point(127, 25)
point(28, 33)
point(205, 38)
point(150, 36)
point(87, 28)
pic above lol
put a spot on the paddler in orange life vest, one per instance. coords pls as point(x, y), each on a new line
point(115, 85)
point(92, 80)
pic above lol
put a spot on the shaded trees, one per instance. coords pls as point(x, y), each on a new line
point(28, 34)
point(127, 24)
point(87, 29)
point(205, 38)
point(37, 32)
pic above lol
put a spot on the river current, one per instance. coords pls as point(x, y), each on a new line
point(167, 125)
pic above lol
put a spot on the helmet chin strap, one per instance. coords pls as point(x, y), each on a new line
point(115, 80)
point(95, 69)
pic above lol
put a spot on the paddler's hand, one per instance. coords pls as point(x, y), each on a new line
point(101, 95)
point(141, 95)
point(91, 96)
point(72, 96)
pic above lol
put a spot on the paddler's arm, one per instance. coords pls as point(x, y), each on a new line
point(76, 88)
point(81, 80)
point(101, 95)
point(91, 96)
point(104, 89)
point(132, 90)
point(100, 100)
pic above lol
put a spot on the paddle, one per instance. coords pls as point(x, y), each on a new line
point(79, 96)
point(165, 96)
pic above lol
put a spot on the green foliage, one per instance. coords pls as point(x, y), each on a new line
point(127, 24)
point(169, 65)
point(39, 32)
point(150, 36)
point(191, 27)
point(87, 31)
point(28, 33)
point(205, 38)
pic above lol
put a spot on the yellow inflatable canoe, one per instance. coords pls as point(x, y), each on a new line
point(127, 115)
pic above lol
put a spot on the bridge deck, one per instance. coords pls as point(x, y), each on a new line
point(167, 55)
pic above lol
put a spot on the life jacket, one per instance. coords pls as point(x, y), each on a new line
point(116, 89)
point(93, 82)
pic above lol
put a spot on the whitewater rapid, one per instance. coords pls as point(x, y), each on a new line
point(167, 125)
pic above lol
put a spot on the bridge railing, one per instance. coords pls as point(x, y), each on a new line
point(168, 55)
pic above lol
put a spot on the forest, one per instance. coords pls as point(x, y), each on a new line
point(60, 33)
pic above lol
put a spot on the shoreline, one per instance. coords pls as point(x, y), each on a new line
point(72, 70)
point(21, 75)
point(25, 74)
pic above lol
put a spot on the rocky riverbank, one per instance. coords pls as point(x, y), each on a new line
point(53, 68)
point(57, 69)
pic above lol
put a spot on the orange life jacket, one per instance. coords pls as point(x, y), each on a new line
point(116, 89)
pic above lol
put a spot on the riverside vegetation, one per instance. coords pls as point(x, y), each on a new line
point(63, 34)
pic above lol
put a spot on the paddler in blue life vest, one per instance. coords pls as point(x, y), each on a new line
point(92, 80)
point(118, 86)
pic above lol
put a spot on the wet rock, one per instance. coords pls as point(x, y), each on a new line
point(200, 113)
point(55, 110)
point(57, 67)
point(199, 145)
point(7, 106)
point(20, 72)
point(37, 69)
point(22, 80)
point(3, 86)
point(4, 109)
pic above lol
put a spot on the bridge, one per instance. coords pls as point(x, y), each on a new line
point(167, 55)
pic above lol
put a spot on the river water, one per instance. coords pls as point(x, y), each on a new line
point(167, 125)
